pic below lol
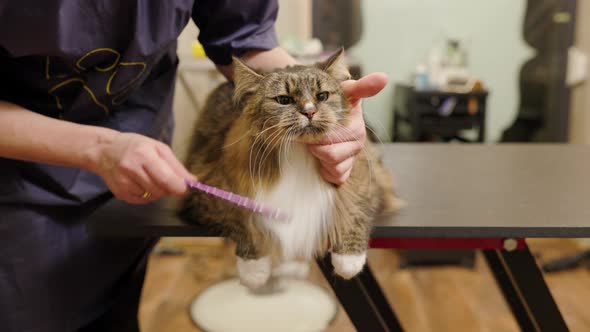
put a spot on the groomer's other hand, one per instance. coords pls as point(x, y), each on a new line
point(337, 152)
point(139, 169)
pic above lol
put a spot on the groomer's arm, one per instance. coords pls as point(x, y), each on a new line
point(26, 135)
point(265, 60)
point(129, 163)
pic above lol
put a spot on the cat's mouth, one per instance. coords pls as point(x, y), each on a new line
point(310, 133)
point(312, 129)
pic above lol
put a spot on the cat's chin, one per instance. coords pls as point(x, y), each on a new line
point(309, 139)
point(311, 135)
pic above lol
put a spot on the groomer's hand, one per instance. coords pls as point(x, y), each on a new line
point(338, 150)
point(139, 169)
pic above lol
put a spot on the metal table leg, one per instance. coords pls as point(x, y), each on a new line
point(525, 290)
point(362, 299)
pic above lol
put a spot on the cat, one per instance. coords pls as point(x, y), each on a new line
point(251, 138)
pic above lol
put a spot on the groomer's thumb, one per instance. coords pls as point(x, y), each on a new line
point(367, 86)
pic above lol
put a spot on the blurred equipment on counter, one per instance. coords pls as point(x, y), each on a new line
point(445, 71)
point(434, 115)
point(444, 100)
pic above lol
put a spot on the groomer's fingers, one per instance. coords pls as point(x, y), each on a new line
point(167, 154)
point(337, 180)
point(336, 153)
point(134, 168)
point(131, 187)
point(128, 190)
point(340, 169)
point(148, 185)
point(162, 175)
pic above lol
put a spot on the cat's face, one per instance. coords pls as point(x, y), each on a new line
point(301, 102)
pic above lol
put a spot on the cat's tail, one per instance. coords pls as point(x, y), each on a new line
point(390, 203)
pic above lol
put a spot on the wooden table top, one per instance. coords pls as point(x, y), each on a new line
point(452, 191)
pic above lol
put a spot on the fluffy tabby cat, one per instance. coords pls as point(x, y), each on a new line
point(251, 139)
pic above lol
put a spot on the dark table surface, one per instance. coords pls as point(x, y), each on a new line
point(452, 191)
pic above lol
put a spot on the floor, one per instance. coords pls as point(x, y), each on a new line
point(426, 299)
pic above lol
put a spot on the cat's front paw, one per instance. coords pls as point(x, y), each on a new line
point(254, 273)
point(348, 265)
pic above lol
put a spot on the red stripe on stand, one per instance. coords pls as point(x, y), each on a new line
point(442, 243)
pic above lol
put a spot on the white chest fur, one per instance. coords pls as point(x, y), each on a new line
point(306, 197)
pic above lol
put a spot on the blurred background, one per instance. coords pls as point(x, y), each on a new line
point(461, 71)
point(529, 56)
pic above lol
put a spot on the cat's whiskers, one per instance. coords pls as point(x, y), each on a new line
point(250, 164)
point(276, 138)
point(264, 143)
point(374, 132)
point(267, 141)
point(250, 130)
point(263, 130)
point(292, 137)
point(281, 147)
point(272, 145)
point(383, 130)
point(253, 146)
point(239, 139)
point(285, 147)
point(266, 121)
point(260, 135)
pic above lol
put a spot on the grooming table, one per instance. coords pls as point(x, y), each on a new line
point(488, 197)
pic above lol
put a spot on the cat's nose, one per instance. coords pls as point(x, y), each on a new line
point(309, 110)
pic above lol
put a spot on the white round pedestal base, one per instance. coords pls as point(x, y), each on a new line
point(294, 306)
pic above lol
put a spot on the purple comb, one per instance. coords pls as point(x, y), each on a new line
point(242, 201)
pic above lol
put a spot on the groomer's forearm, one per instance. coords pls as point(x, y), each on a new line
point(262, 60)
point(26, 135)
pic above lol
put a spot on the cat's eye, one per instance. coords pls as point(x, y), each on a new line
point(322, 96)
point(284, 100)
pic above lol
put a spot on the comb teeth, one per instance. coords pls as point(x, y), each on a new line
point(238, 200)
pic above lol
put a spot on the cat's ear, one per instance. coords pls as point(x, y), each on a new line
point(335, 66)
point(246, 80)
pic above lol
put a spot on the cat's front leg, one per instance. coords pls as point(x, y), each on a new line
point(349, 252)
point(254, 269)
point(254, 273)
point(348, 265)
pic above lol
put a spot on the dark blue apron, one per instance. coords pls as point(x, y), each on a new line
point(106, 66)
point(107, 63)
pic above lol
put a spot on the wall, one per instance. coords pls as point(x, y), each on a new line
point(294, 19)
point(398, 34)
